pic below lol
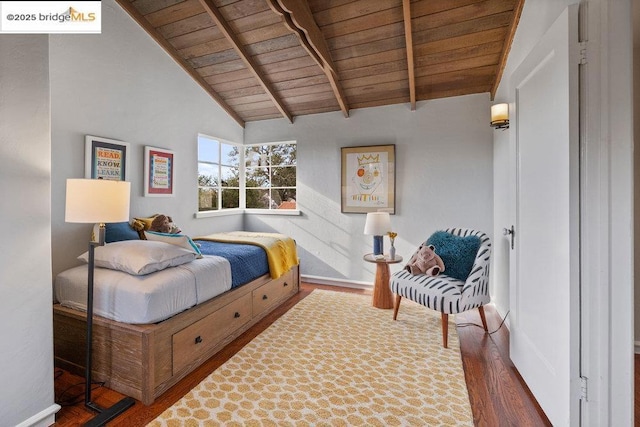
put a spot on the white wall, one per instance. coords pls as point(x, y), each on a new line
point(610, 135)
point(121, 85)
point(444, 178)
point(25, 268)
point(636, 128)
point(503, 184)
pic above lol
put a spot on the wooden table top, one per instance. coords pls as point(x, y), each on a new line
point(385, 259)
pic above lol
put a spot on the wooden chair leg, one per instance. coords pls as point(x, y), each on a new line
point(483, 318)
point(445, 329)
point(396, 306)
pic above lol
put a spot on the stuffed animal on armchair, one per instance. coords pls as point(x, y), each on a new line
point(425, 261)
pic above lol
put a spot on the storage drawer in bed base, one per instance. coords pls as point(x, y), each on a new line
point(143, 361)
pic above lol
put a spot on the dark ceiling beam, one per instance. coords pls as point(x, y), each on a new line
point(338, 92)
point(517, 11)
point(299, 19)
point(142, 21)
point(300, 15)
point(226, 30)
point(408, 37)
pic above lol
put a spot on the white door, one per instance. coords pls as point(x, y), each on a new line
point(544, 335)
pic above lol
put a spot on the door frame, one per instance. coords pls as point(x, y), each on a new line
point(607, 213)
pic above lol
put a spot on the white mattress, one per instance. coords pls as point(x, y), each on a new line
point(145, 299)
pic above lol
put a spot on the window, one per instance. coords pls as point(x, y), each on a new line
point(218, 174)
point(232, 176)
point(270, 176)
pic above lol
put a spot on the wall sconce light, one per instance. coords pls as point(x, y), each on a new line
point(500, 116)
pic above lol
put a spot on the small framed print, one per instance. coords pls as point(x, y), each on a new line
point(159, 172)
point(106, 158)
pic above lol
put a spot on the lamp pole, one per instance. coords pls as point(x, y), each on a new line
point(104, 414)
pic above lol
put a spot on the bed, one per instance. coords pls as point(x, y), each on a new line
point(152, 329)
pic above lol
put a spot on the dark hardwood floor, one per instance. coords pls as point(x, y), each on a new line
point(497, 393)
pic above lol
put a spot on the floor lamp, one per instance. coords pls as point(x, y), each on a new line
point(97, 201)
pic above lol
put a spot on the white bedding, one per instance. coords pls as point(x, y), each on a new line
point(145, 299)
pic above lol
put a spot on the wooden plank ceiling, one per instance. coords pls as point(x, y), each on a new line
point(265, 59)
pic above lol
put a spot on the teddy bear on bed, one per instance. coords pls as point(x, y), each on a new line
point(425, 261)
point(164, 224)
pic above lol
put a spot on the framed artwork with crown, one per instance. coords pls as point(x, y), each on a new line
point(368, 179)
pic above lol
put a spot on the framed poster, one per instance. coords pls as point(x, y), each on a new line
point(368, 179)
point(106, 158)
point(159, 172)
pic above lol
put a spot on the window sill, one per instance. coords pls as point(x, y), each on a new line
point(291, 212)
point(226, 212)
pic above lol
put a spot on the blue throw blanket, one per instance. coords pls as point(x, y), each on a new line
point(248, 262)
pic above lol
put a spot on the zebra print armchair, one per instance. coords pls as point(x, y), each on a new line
point(447, 294)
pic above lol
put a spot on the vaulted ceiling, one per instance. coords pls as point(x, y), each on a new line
point(265, 59)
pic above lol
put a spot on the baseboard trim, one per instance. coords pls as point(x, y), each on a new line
point(637, 347)
point(506, 321)
point(43, 418)
point(320, 280)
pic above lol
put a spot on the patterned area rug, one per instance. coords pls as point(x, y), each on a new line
point(334, 360)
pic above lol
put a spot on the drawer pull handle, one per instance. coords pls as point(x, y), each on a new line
point(264, 297)
point(236, 315)
point(198, 339)
point(285, 284)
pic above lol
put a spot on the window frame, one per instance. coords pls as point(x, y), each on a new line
point(241, 209)
point(270, 167)
point(219, 211)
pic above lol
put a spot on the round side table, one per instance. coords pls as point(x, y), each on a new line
point(382, 297)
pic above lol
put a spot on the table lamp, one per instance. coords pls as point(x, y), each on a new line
point(97, 201)
point(378, 224)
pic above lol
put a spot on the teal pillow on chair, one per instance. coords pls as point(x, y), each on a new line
point(457, 253)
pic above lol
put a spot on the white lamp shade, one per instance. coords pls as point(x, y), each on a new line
point(377, 224)
point(499, 113)
point(97, 200)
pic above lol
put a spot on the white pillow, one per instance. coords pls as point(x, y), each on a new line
point(180, 240)
point(139, 257)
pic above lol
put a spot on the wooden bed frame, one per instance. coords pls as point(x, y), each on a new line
point(143, 361)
